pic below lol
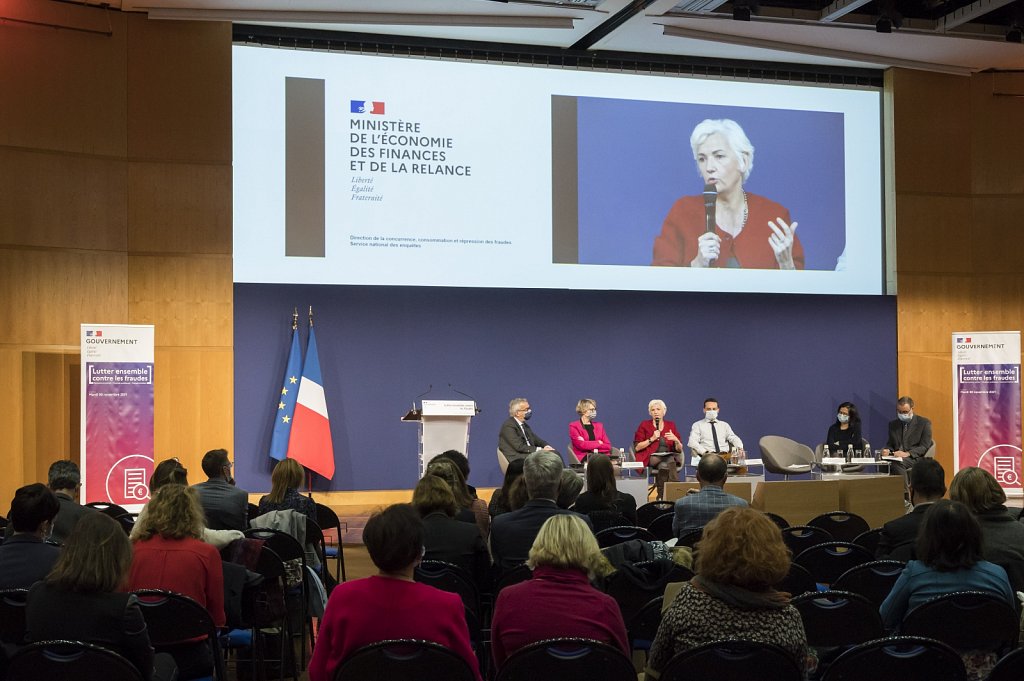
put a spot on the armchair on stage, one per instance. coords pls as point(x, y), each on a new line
point(444, 425)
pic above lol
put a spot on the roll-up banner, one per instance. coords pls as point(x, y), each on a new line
point(117, 413)
point(986, 405)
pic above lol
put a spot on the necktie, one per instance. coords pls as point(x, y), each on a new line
point(714, 436)
point(526, 436)
point(906, 425)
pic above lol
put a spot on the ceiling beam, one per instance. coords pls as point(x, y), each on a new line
point(361, 18)
point(840, 8)
point(973, 11)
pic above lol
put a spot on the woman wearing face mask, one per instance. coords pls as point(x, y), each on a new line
point(585, 434)
point(846, 430)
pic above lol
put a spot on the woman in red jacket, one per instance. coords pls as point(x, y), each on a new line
point(657, 443)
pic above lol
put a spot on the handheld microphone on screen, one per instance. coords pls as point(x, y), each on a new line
point(710, 196)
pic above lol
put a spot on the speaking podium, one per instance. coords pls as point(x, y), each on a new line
point(444, 425)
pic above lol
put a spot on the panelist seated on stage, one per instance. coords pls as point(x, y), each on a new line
point(658, 445)
point(516, 438)
point(898, 537)
point(910, 435)
point(845, 431)
point(586, 435)
point(696, 509)
point(711, 434)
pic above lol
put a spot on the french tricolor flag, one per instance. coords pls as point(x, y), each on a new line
point(310, 442)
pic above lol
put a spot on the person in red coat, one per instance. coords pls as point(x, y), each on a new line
point(390, 604)
point(657, 443)
point(559, 600)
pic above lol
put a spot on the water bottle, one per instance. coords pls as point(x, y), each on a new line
point(824, 452)
point(849, 453)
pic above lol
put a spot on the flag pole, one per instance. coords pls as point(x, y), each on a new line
point(309, 473)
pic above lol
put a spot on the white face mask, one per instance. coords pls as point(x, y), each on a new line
point(711, 414)
point(904, 417)
point(843, 418)
point(592, 414)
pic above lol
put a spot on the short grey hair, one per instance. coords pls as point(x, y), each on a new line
point(514, 405)
point(656, 403)
point(906, 400)
point(542, 472)
point(734, 137)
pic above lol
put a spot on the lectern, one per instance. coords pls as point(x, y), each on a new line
point(444, 425)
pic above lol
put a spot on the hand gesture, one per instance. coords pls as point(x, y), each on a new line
point(781, 242)
point(709, 245)
point(671, 437)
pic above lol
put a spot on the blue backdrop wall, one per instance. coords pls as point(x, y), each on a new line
point(778, 364)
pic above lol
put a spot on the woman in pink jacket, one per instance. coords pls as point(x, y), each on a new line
point(585, 434)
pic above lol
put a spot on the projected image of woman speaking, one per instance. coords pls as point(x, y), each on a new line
point(726, 226)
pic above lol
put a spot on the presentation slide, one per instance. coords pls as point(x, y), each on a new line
point(372, 170)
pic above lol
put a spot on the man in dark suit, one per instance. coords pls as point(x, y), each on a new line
point(226, 507)
point(910, 436)
point(927, 485)
point(516, 438)
point(24, 557)
point(512, 533)
point(65, 480)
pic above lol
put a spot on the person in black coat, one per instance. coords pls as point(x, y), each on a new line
point(602, 502)
point(845, 430)
point(898, 537)
point(24, 557)
point(445, 538)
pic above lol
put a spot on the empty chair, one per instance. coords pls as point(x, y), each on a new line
point(966, 620)
point(872, 580)
point(617, 535)
point(691, 538)
point(869, 539)
point(70, 661)
point(12, 616)
point(733, 660)
point(334, 547)
point(838, 618)
point(841, 525)
point(826, 562)
point(449, 577)
point(652, 510)
point(799, 538)
point(899, 657)
point(798, 581)
point(783, 456)
point(661, 527)
point(777, 519)
point(567, 658)
point(1009, 668)
point(404, 659)
point(177, 625)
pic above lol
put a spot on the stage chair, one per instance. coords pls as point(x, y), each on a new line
point(69, 661)
point(872, 580)
point(729, 660)
point(842, 525)
point(502, 461)
point(567, 658)
point(899, 657)
point(404, 659)
point(786, 457)
point(826, 562)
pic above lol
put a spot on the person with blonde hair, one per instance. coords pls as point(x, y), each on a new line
point(739, 560)
point(169, 554)
point(285, 481)
point(559, 601)
point(586, 434)
point(1002, 537)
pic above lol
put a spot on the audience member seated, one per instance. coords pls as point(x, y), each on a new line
point(570, 484)
point(170, 555)
point(927, 483)
point(460, 460)
point(587, 436)
point(738, 560)
point(171, 472)
point(559, 601)
point(1002, 537)
point(390, 604)
point(500, 499)
point(225, 506)
point(65, 480)
point(949, 558)
point(284, 490)
point(602, 502)
point(512, 534)
point(24, 557)
point(696, 509)
point(83, 598)
point(471, 509)
point(444, 537)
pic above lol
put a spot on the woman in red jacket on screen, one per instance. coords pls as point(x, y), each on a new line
point(390, 604)
point(746, 230)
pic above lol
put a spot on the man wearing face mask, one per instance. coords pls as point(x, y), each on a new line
point(24, 557)
point(517, 439)
point(910, 436)
point(712, 435)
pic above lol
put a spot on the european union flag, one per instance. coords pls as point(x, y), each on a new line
point(285, 410)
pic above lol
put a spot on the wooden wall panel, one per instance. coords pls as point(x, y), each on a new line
point(928, 224)
point(931, 133)
point(997, 147)
point(995, 234)
point(62, 200)
point(194, 405)
point(928, 378)
point(48, 293)
point(12, 461)
point(179, 90)
point(63, 90)
point(180, 207)
point(188, 298)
